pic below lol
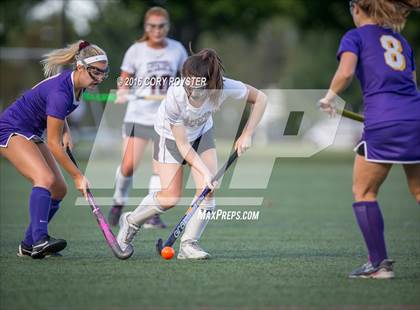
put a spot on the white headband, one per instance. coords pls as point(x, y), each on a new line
point(93, 59)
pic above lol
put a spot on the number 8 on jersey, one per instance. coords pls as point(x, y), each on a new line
point(393, 52)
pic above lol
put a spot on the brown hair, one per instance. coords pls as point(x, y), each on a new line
point(389, 13)
point(68, 55)
point(156, 10)
point(206, 63)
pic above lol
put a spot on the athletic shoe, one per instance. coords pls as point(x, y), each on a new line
point(127, 231)
point(114, 214)
point(191, 250)
point(47, 246)
point(383, 271)
point(24, 250)
point(154, 222)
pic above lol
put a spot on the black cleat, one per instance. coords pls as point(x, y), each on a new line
point(385, 270)
point(47, 246)
point(24, 250)
point(115, 214)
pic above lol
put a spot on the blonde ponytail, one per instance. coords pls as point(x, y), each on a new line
point(68, 55)
point(389, 13)
point(57, 58)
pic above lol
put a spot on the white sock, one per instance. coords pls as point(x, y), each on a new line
point(197, 224)
point(154, 184)
point(148, 207)
point(122, 187)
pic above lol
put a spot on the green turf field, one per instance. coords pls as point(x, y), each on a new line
point(296, 255)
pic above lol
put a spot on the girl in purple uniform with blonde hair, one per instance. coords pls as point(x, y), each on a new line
point(45, 107)
point(384, 64)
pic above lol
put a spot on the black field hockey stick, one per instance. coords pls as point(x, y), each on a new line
point(103, 225)
point(179, 228)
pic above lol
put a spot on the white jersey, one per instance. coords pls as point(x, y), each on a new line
point(176, 110)
point(144, 62)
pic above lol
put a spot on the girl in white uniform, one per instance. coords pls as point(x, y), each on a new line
point(153, 56)
point(184, 124)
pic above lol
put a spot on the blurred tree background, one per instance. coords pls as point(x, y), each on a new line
point(269, 44)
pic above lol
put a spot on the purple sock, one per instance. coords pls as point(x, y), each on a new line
point(371, 223)
point(39, 208)
point(55, 205)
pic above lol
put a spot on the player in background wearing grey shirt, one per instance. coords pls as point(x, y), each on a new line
point(154, 55)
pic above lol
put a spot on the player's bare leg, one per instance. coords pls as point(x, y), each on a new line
point(412, 171)
point(58, 189)
point(367, 179)
point(28, 160)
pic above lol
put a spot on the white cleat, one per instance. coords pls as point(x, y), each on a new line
point(127, 231)
point(191, 250)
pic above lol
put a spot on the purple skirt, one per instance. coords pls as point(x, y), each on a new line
point(11, 126)
point(396, 142)
point(5, 137)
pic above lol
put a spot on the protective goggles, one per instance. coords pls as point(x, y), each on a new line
point(151, 27)
point(94, 72)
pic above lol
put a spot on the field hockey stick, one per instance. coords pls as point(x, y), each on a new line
point(103, 225)
point(179, 228)
point(351, 115)
point(348, 114)
point(105, 97)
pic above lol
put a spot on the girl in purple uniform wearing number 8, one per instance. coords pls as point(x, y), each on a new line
point(22, 124)
point(384, 64)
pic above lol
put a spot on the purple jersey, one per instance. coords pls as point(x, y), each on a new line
point(385, 70)
point(53, 96)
